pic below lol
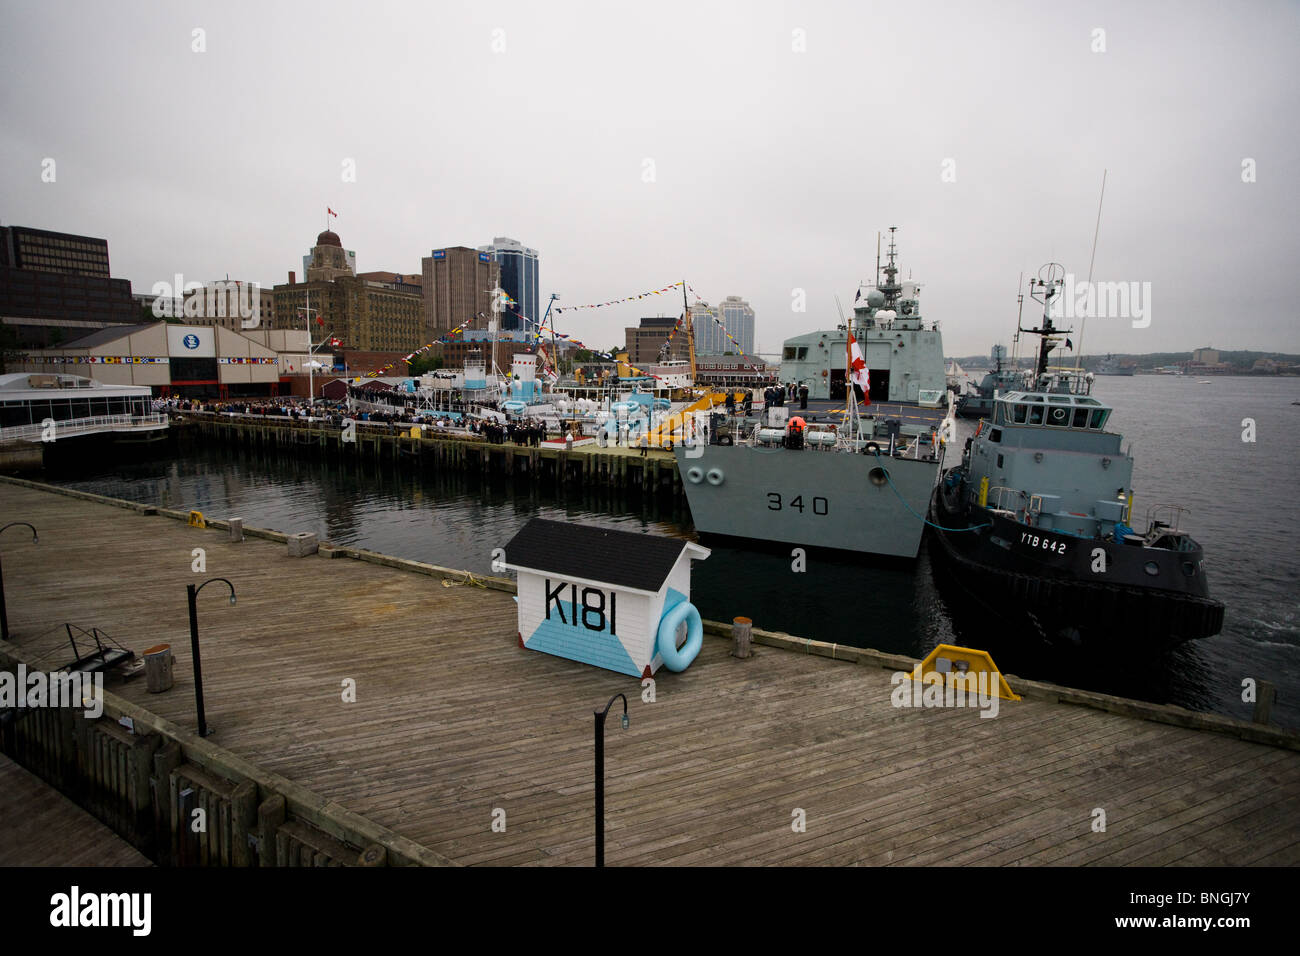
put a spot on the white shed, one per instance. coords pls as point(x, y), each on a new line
point(614, 599)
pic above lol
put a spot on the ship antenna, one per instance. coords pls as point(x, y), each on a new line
point(1020, 311)
point(840, 306)
point(1083, 322)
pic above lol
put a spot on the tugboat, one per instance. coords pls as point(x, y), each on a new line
point(979, 402)
point(860, 484)
point(1037, 517)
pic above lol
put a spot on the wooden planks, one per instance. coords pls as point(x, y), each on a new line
point(41, 827)
point(452, 720)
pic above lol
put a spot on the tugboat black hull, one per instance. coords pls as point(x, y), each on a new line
point(1049, 578)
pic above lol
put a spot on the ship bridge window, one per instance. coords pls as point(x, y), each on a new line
point(1021, 413)
point(1036, 415)
point(1059, 417)
point(1099, 417)
point(1080, 418)
point(788, 352)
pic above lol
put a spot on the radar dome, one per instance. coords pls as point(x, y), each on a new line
point(875, 298)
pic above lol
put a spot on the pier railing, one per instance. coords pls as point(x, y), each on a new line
point(63, 428)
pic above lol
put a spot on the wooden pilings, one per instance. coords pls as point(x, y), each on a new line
point(616, 469)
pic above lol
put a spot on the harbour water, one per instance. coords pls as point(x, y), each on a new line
point(1243, 496)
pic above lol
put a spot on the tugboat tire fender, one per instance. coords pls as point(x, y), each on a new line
point(714, 476)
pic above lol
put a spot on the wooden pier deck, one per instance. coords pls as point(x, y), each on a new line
point(453, 720)
point(41, 827)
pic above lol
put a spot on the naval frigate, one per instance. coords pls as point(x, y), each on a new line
point(860, 482)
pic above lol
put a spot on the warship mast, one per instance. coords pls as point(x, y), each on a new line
point(1044, 289)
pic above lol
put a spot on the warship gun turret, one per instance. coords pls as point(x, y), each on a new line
point(1038, 517)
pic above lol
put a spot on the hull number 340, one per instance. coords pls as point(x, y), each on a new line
point(818, 506)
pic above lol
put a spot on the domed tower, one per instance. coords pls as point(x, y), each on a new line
point(328, 260)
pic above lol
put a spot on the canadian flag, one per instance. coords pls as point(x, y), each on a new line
point(859, 374)
point(331, 212)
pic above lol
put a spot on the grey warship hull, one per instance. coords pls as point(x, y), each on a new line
point(824, 498)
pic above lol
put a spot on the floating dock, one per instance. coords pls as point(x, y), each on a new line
point(794, 756)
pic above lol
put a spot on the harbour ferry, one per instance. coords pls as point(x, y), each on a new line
point(1038, 517)
point(45, 407)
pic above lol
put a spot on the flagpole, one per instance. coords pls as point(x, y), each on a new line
point(848, 381)
point(311, 387)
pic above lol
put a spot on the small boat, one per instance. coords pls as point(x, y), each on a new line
point(978, 402)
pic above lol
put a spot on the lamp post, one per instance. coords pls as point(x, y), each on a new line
point(193, 593)
point(600, 773)
point(4, 614)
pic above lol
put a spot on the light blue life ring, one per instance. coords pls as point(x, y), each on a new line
point(715, 476)
point(695, 474)
point(676, 659)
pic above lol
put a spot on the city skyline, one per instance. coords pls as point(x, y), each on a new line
point(990, 163)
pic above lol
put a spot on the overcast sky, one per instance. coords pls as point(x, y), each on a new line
point(751, 148)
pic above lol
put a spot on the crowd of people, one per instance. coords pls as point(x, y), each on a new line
point(531, 434)
point(779, 395)
point(497, 432)
point(333, 413)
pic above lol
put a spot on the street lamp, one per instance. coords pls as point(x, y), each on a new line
point(4, 614)
point(600, 773)
point(194, 645)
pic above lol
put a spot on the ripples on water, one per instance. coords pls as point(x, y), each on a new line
point(1186, 439)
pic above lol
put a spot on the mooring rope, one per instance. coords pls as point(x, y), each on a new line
point(922, 517)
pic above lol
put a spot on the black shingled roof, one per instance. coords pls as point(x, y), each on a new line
point(621, 558)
